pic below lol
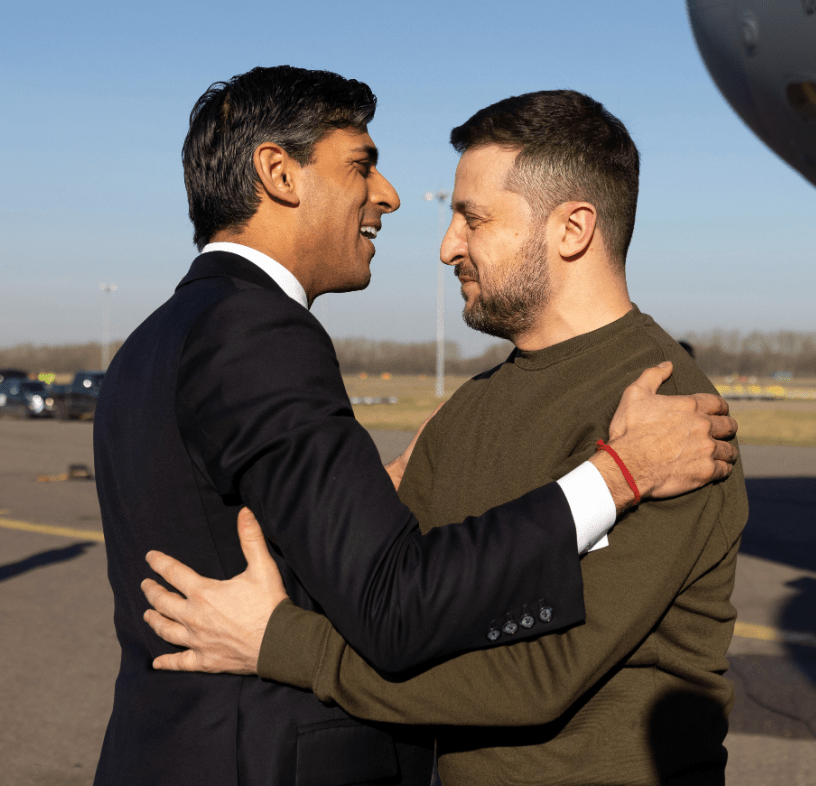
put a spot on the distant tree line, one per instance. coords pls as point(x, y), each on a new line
point(357, 355)
point(60, 359)
point(719, 353)
point(723, 353)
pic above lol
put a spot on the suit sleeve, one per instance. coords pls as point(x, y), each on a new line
point(629, 586)
point(264, 414)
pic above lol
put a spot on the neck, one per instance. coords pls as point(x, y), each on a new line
point(582, 298)
point(275, 244)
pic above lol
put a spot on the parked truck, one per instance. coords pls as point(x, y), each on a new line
point(79, 398)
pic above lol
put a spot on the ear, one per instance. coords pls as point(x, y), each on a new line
point(278, 172)
point(575, 227)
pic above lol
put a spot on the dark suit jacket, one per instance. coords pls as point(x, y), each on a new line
point(230, 394)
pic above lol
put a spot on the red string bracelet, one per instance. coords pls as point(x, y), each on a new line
point(601, 445)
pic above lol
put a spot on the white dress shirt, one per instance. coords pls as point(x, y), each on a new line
point(275, 270)
point(589, 498)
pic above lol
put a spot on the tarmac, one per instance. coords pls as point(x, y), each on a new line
point(59, 653)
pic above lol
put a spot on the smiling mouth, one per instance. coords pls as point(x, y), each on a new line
point(368, 232)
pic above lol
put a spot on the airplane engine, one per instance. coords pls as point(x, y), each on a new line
point(761, 54)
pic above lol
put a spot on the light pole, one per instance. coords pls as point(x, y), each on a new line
point(106, 288)
point(442, 198)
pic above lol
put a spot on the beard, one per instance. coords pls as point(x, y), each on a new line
point(517, 299)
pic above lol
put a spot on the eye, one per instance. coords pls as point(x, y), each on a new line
point(364, 166)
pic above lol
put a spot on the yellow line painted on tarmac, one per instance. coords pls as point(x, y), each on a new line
point(47, 529)
point(764, 633)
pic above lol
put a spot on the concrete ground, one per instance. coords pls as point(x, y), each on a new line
point(59, 654)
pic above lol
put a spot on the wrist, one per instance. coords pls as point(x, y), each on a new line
point(622, 494)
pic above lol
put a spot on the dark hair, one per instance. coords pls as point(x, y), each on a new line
point(571, 149)
point(293, 107)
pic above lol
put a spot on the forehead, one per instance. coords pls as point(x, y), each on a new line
point(483, 170)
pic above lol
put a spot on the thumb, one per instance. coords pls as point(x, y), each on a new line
point(253, 541)
point(652, 378)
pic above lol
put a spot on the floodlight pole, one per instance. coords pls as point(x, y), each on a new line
point(106, 288)
point(442, 198)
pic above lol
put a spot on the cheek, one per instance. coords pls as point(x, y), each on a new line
point(485, 260)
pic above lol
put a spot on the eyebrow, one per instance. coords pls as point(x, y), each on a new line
point(464, 205)
point(371, 151)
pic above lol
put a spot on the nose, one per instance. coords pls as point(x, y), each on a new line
point(382, 193)
point(454, 247)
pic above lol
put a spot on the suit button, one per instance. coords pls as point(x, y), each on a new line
point(510, 627)
point(493, 634)
point(527, 621)
point(545, 615)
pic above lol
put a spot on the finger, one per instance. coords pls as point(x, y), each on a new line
point(256, 549)
point(722, 469)
point(177, 661)
point(171, 604)
point(723, 426)
point(652, 378)
point(428, 419)
point(166, 628)
point(410, 449)
point(253, 541)
point(425, 423)
point(725, 452)
point(174, 572)
point(709, 404)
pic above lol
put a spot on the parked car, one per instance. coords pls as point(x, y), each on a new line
point(78, 398)
point(12, 373)
point(25, 398)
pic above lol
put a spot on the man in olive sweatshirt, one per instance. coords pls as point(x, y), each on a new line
point(543, 212)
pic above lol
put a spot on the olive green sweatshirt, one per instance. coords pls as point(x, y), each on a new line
point(636, 694)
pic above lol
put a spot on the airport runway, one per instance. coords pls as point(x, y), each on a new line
point(59, 654)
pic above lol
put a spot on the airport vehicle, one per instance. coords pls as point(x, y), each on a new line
point(12, 373)
point(25, 398)
point(761, 54)
point(78, 398)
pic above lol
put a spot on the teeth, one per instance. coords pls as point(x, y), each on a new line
point(368, 232)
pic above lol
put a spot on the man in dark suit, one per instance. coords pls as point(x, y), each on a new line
point(230, 395)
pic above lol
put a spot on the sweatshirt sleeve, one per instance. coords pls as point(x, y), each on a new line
point(657, 553)
point(266, 421)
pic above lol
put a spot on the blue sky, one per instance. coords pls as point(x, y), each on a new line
point(97, 96)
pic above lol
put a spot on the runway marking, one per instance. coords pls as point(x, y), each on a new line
point(47, 529)
point(764, 633)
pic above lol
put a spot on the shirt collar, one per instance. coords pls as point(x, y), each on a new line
point(275, 270)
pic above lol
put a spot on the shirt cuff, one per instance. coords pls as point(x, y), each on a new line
point(592, 506)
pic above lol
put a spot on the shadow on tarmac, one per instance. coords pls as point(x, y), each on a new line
point(781, 522)
point(770, 690)
point(781, 528)
point(44, 558)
